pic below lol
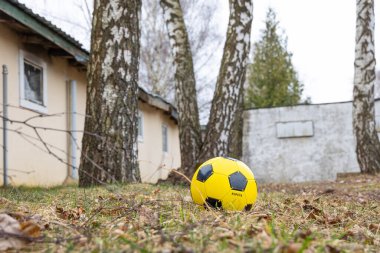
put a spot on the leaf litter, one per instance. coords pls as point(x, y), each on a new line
point(339, 216)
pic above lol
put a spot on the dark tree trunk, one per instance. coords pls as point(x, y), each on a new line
point(367, 141)
point(235, 148)
point(109, 154)
point(189, 127)
point(223, 134)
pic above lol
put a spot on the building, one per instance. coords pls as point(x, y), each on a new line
point(46, 105)
point(301, 143)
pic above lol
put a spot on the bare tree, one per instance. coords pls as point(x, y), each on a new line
point(367, 141)
point(156, 73)
point(156, 70)
point(112, 94)
point(188, 121)
point(223, 130)
point(223, 136)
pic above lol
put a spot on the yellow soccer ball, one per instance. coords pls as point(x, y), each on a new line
point(224, 183)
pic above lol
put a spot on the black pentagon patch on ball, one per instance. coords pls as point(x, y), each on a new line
point(248, 207)
point(204, 173)
point(238, 181)
point(215, 203)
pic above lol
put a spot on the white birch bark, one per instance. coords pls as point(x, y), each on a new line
point(224, 126)
point(185, 88)
point(110, 153)
point(367, 141)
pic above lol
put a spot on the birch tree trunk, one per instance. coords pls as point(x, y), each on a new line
point(223, 135)
point(109, 153)
point(367, 141)
point(185, 89)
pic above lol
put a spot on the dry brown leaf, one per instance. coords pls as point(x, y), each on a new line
point(30, 229)
point(121, 234)
point(311, 208)
point(10, 231)
point(71, 214)
point(261, 216)
point(234, 243)
point(328, 191)
point(303, 234)
point(375, 228)
point(332, 220)
point(292, 248)
point(80, 210)
point(254, 230)
point(332, 249)
point(350, 214)
point(312, 216)
point(288, 201)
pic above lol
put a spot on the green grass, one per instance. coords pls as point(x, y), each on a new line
point(155, 218)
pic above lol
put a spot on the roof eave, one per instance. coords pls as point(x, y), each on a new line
point(159, 103)
point(80, 55)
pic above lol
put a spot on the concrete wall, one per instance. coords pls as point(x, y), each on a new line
point(278, 146)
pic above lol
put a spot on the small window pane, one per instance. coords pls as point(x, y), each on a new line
point(33, 83)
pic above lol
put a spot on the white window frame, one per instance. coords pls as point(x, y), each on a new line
point(140, 136)
point(40, 63)
point(165, 148)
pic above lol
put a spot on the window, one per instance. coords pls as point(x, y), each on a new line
point(164, 138)
point(140, 126)
point(33, 86)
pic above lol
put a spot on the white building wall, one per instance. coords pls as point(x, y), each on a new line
point(154, 163)
point(279, 147)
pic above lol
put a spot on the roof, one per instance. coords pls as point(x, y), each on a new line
point(38, 30)
point(158, 102)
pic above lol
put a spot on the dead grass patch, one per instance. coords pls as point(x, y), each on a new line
point(309, 217)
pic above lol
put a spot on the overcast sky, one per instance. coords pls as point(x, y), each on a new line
point(321, 36)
